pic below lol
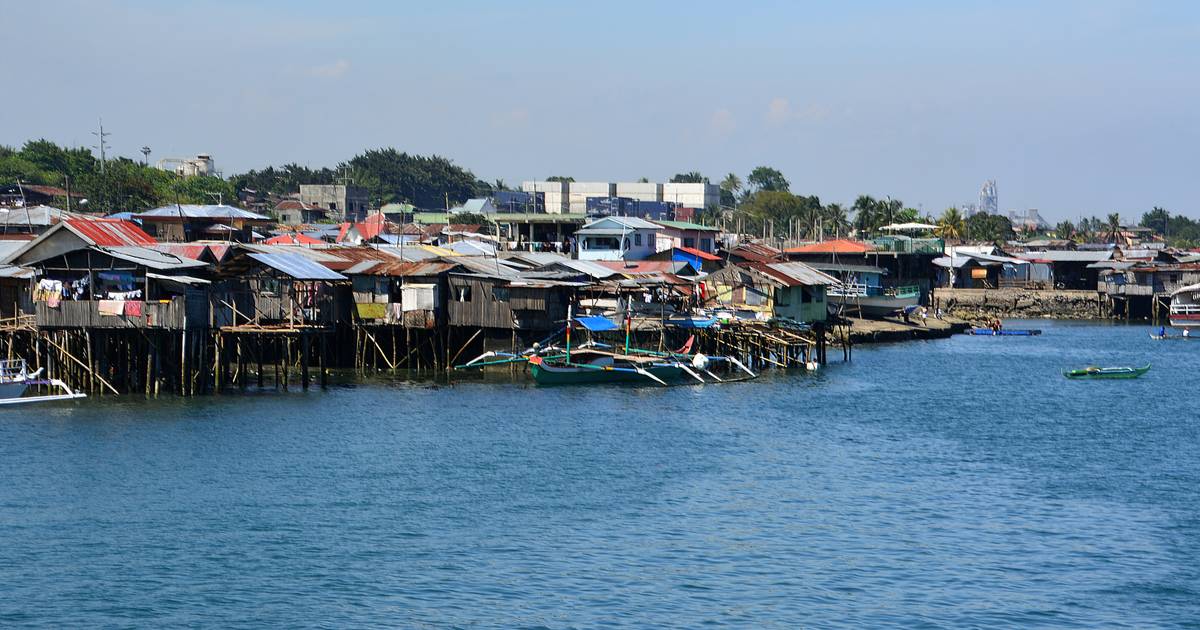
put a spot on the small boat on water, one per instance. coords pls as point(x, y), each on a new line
point(16, 379)
point(1106, 372)
point(1003, 332)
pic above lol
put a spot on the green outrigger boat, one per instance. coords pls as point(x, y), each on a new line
point(1106, 372)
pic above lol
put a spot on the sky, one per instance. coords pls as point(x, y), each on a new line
point(1074, 108)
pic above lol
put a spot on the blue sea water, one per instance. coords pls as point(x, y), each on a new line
point(952, 483)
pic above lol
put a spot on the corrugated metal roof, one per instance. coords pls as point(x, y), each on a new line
point(198, 211)
point(796, 273)
point(400, 269)
point(14, 271)
point(591, 268)
point(109, 232)
point(297, 266)
point(1068, 255)
point(835, 246)
point(702, 255)
point(32, 215)
point(646, 266)
point(316, 254)
point(192, 280)
point(151, 258)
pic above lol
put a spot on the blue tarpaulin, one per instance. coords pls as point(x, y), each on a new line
point(596, 323)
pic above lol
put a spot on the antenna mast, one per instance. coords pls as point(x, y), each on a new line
point(103, 144)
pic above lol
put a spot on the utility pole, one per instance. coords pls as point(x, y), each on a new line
point(100, 136)
point(146, 156)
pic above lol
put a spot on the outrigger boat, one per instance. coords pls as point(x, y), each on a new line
point(16, 379)
point(1001, 332)
point(1106, 372)
point(594, 362)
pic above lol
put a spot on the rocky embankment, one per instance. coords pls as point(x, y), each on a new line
point(982, 305)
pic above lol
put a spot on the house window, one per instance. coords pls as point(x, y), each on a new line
point(806, 295)
point(501, 294)
point(781, 298)
point(601, 242)
point(333, 205)
point(689, 242)
point(706, 245)
point(637, 240)
point(755, 296)
point(464, 293)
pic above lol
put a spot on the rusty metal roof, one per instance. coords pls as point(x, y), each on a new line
point(109, 232)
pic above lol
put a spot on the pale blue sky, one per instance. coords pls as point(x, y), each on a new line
point(1073, 107)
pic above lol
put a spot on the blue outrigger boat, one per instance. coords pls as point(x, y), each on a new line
point(1004, 332)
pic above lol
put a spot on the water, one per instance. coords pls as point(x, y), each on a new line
point(953, 483)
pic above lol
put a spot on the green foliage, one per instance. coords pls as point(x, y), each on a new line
point(989, 227)
point(1178, 230)
point(560, 178)
point(691, 177)
point(767, 178)
point(731, 186)
point(427, 182)
point(1065, 230)
point(777, 211)
point(951, 225)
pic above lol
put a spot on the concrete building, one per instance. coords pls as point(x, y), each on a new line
point(202, 164)
point(344, 203)
point(692, 195)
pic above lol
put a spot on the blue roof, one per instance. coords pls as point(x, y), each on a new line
point(297, 266)
point(595, 323)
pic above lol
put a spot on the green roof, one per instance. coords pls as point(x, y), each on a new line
point(684, 225)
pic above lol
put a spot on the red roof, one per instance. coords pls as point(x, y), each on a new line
point(756, 252)
point(109, 232)
point(195, 251)
point(699, 254)
point(293, 239)
point(836, 246)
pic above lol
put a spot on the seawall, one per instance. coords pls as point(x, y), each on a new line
point(978, 305)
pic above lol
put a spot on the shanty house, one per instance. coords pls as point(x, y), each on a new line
point(281, 289)
point(105, 273)
point(682, 234)
point(193, 222)
point(790, 290)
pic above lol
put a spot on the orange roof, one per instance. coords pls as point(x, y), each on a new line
point(836, 246)
point(699, 254)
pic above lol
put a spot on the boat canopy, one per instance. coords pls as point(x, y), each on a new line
point(1191, 288)
point(596, 323)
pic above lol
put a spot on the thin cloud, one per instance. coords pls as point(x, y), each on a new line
point(722, 122)
point(333, 70)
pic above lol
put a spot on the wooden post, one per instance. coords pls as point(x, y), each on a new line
point(304, 359)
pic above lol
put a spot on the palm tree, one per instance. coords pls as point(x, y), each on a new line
point(499, 185)
point(732, 183)
point(1064, 230)
point(1112, 226)
point(835, 219)
point(865, 215)
point(951, 226)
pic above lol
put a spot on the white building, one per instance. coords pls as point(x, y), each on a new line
point(189, 167)
point(573, 197)
point(579, 193)
point(617, 238)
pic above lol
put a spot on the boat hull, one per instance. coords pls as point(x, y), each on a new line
point(872, 306)
point(1106, 373)
point(12, 390)
point(544, 374)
